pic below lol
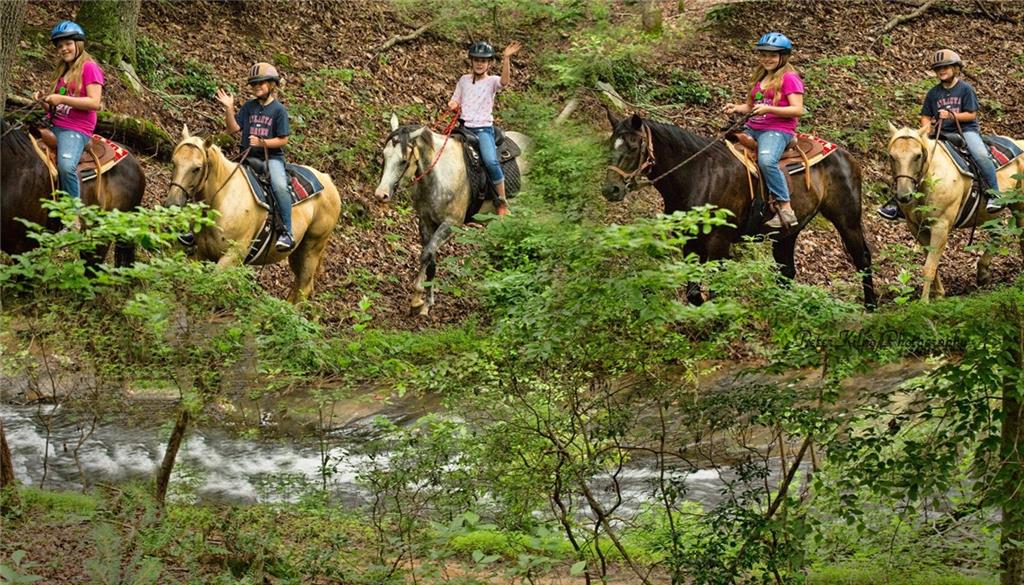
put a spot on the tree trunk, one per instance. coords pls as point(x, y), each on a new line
point(7, 479)
point(110, 26)
point(1012, 555)
point(163, 476)
point(650, 16)
point(12, 15)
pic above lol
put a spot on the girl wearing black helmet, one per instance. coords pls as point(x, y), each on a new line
point(776, 100)
point(262, 123)
point(474, 96)
point(77, 95)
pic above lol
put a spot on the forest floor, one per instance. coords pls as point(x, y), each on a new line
point(341, 92)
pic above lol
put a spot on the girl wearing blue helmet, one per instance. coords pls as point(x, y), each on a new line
point(77, 95)
point(776, 100)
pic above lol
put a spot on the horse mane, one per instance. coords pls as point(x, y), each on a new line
point(689, 141)
point(907, 132)
point(14, 138)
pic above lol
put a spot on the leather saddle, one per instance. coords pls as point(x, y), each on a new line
point(799, 149)
point(97, 153)
point(470, 139)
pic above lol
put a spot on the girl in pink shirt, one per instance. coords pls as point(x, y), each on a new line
point(474, 96)
point(76, 98)
point(776, 100)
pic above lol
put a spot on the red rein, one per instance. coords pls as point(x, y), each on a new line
point(447, 134)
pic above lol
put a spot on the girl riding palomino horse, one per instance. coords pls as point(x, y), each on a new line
point(77, 96)
point(474, 96)
point(953, 102)
point(776, 102)
point(263, 125)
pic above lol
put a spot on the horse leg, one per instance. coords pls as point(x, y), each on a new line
point(939, 238)
point(305, 263)
point(851, 232)
point(940, 289)
point(93, 259)
point(694, 295)
point(783, 251)
point(984, 276)
point(429, 257)
point(418, 303)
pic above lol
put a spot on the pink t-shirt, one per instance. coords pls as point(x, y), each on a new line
point(477, 99)
point(65, 116)
point(791, 83)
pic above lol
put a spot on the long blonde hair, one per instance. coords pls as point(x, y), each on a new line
point(772, 80)
point(72, 72)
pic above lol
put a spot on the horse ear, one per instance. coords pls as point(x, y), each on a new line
point(636, 122)
point(415, 134)
point(184, 132)
point(207, 144)
point(893, 129)
point(612, 118)
point(394, 121)
point(923, 133)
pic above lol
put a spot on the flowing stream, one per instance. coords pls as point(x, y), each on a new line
point(219, 466)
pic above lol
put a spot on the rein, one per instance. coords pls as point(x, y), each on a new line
point(649, 161)
point(20, 125)
point(206, 171)
point(447, 135)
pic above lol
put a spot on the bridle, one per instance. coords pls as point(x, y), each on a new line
point(644, 159)
point(189, 195)
point(924, 165)
point(400, 137)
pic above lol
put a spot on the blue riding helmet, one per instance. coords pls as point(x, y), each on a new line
point(66, 29)
point(776, 42)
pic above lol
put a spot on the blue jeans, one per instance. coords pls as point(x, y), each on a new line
point(489, 153)
point(279, 185)
point(770, 146)
point(70, 146)
point(981, 156)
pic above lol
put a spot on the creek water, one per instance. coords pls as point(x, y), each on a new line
point(220, 466)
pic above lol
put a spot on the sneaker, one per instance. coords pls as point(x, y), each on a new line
point(188, 239)
point(785, 217)
point(992, 207)
point(284, 242)
point(891, 211)
point(502, 207)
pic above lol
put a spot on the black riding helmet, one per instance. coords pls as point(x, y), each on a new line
point(481, 50)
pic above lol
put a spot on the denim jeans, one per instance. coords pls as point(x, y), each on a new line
point(279, 185)
point(981, 156)
point(70, 146)
point(489, 153)
point(770, 146)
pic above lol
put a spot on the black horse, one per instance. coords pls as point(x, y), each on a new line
point(716, 177)
point(25, 182)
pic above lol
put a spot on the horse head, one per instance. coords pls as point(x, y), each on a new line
point(908, 158)
point(191, 168)
point(399, 153)
point(631, 155)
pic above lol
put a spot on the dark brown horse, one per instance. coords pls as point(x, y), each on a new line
point(716, 177)
point(25, 183)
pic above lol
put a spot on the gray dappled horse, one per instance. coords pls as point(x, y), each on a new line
point(441, 197)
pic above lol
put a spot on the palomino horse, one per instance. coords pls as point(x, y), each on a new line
point(441, 197)
point(25, 181)
point(714, 176)
point(203, 174)
point(930, 218)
